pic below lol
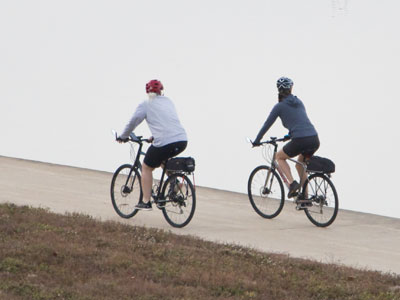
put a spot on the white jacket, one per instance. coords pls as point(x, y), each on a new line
point(163, 121)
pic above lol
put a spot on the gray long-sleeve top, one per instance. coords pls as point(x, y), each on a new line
point(293, 115)
point(163, 121)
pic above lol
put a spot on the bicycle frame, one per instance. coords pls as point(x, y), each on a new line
point(175, 194)
point(317, 195)
point(275, 166)
point(138, 166)
point(283, 175)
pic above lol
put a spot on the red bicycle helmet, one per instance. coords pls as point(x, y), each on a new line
point(154, 86)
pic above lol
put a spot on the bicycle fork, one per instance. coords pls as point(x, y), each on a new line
point(126, 189)
point(268, 184)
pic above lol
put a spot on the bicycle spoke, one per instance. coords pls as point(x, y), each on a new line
point(324, 199)
point(180, 201)
point(265, 191)
point(125, 191)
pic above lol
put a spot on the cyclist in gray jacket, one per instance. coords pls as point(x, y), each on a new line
point(304, 137)
point(168, 135)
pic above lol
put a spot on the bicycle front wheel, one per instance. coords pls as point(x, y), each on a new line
point(126, 191)
point(324, 200)
point(266, 195)
point(178, 200)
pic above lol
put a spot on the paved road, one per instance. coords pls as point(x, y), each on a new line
point(360, 240)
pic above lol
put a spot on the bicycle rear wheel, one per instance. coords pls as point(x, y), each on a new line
point(126, 191)
point(325, 203)
point(267, 198)
point(180, 200)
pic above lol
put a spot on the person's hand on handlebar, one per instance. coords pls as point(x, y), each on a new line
point(121, 140)
point(286, 137)
point(151, 139)
point(256, 144)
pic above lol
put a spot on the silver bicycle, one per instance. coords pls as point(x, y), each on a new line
point(317, 196)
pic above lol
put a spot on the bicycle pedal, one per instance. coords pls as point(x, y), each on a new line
point(160, 203)
point(303, 205)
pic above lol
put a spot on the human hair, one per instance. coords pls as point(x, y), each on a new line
point(283, 93)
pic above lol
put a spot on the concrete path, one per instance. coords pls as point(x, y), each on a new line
point(360, 240)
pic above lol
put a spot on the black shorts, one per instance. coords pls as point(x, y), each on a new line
point(305, 145)
point(156, 155)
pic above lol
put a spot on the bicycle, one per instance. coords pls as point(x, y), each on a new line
point(175, 197)
point(317, 196)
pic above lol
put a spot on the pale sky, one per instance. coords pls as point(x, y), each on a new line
point(70, 71)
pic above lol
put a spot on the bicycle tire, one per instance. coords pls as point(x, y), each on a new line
point(259, 196)
point(325, 201)
point(180, 200)
point(125, 197)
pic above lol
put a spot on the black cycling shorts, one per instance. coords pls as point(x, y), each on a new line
point(156, 155)
point(305, 145)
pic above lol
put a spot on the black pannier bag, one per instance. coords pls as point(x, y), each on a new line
point(320, 164)
point(182, 164)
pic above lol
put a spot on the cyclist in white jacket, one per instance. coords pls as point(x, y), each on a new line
point(168, 135)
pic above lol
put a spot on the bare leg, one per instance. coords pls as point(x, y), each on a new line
point(300, 169)
point(281, 158)
point(147, 182)
point(302, 175)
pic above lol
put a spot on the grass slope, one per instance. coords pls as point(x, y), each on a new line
point(49, 256)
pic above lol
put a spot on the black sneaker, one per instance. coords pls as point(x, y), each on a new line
point(144, 206)
point(294, 187)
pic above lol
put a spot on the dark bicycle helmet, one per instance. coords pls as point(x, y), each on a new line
point(284, 83)
point(154, 86)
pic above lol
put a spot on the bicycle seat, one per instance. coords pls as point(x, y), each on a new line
point(307, 156)
point(308, 153)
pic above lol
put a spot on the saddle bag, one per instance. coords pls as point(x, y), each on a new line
point(320, 164)
point(181, 164)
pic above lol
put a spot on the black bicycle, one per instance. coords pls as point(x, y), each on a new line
point(176, 196)
point(317, 196)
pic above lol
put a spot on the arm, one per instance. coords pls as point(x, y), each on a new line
point(268, 123)
point(136, 119)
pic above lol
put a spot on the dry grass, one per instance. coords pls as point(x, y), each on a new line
point(49, 256)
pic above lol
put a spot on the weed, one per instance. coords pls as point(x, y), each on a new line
point(50, 256)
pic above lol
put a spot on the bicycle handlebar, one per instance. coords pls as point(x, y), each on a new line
point(132, 138)
point(138, 139)
point(274, 140)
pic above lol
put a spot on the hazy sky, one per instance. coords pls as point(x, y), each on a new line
point(70, 71)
